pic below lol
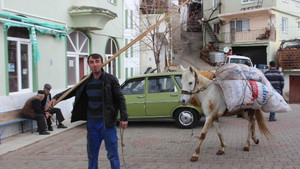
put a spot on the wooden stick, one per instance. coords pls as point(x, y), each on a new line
point(123, 49)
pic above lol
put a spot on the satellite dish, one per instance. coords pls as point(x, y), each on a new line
point(226, 49)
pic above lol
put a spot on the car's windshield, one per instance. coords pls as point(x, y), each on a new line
point(238, 60)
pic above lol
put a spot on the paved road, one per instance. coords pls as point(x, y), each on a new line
point(153, 145)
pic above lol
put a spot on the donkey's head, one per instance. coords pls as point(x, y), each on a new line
point(188, 81)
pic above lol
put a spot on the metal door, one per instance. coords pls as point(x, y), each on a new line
point(294, 89)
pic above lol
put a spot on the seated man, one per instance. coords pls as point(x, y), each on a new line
point(32, 109)
point(57, 111)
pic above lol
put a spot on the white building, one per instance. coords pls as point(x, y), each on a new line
point(131, 31)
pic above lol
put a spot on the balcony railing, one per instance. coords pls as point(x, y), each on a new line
point(250, 35)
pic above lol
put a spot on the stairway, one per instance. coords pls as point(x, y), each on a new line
point(210, 32)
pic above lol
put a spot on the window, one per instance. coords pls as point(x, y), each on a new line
point(131, 49)
point(78, 50)
point(247, 1)
point(19, 60)
point(178, 80)
point(297, 3)
point(216, 3)
point(128, 19)
point(161, 84)
point(131, 19)
point(129, 72)
point(240, 25)
point(126, 52)
point(284, 0)
point(284, 25)
point(112, 1)
point(111, 49)
point(135, 86)
point(216, 28)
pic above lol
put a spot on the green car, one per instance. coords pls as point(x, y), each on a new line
point(156, 96)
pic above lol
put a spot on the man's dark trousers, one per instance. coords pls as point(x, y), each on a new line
point(59, 116)
point(41, 122)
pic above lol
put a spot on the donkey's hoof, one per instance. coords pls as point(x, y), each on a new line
point(194, 158)
point(246, 148)
point(220, 152)
point(257, 141)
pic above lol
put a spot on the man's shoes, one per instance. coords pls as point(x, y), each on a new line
point(50, 128)
point(61, 126)
point(44, 133)
point(272, 119)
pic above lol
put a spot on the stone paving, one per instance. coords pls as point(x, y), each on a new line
point(160, 145)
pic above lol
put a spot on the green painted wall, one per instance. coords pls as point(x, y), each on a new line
point(51, 67)
point(2, 64)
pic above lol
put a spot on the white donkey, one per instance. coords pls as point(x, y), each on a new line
point(213, 106)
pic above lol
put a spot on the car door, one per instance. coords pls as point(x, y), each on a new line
point(134, 92)
point(162, 96)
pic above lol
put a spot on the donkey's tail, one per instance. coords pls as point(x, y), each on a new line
point(261, 124)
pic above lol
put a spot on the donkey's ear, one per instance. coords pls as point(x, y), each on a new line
point(191, 69)
point(182, 69)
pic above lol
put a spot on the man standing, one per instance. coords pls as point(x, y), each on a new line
point(98, 100)
point(57, 111)
point(32, 109)
point(276, 79)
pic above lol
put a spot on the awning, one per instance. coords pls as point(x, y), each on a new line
point(34, 27)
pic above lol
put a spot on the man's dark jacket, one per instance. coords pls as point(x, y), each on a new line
point(113, 100)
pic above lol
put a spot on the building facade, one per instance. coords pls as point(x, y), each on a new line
point(131, 31)
point(50, 44)
point(253, 28)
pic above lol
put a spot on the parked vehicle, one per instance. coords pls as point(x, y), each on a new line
point(262, 67)
point(156, 96)
point(245, 60)
point(238, 59)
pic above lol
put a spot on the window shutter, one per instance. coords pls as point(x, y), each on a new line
point(131, 49)
point(239, 26)
point(126, 52)
point(245, 25)
point(126, 18)
point(131, 19)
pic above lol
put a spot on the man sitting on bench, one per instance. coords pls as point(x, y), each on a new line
point(57, 111)
point(32, 109)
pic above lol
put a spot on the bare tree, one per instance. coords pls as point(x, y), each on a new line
point(151, 11)
point(159, 41)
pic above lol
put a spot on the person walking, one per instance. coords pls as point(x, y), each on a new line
point(98, 100)
point(276, 79)
point(45, 103)
point(32, 109)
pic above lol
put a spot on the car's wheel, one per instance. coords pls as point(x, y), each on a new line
point(186, 118)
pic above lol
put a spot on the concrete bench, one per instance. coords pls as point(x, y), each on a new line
point(12, 117)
